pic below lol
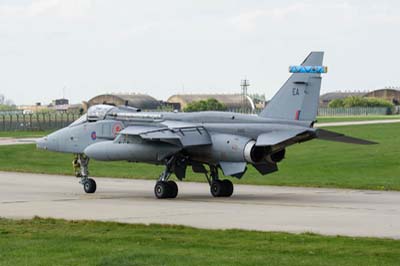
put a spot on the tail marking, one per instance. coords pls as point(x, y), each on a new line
point(297, 117)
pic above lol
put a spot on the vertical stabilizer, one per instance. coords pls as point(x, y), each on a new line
point(298, 98)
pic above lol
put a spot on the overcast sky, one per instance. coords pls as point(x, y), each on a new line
point(164, 47)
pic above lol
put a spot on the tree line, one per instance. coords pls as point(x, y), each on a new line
point(357, 101)
point(205, 105)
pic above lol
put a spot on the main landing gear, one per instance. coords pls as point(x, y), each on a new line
point(81, 167)
point(219, 188)
point(165, 188)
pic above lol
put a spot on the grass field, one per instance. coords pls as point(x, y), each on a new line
point(23, 134)
point(59, 242)
point(315, 163)
point(327, 119)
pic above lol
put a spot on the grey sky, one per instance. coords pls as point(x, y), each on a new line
point(167, 47)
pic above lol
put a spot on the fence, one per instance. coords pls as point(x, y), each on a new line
point(36, 121)
point(354, 111)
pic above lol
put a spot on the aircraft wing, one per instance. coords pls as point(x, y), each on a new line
point(184, 135)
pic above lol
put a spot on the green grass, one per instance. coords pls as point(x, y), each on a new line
point(327, 119)
point(23, 134)
point(58, 242)
point(315, 163)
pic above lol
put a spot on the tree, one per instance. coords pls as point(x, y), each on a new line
point(205, 105)
point(336, 103)
point(356, 101)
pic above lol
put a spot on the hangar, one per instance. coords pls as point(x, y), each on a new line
point(232, 101)
point(391, 94)
point(142, 101)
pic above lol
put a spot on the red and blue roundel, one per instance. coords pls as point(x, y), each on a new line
point(117, 127)
point(93, 135)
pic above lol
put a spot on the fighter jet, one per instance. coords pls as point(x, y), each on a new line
point(208, 142)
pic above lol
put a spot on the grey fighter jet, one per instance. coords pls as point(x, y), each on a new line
point(206, 141)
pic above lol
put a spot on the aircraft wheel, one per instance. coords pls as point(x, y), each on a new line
point(89, 186)
point(217, 188)
point(228, 187)
point(162, 190)
point(173, 189)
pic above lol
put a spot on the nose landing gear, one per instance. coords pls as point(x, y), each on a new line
point(81, 167)
point(89, 185)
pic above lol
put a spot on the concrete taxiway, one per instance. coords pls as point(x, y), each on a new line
point(15, 141)
point(265, 208)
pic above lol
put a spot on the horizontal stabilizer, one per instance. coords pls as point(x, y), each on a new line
point(276, 137)
point(333, 136)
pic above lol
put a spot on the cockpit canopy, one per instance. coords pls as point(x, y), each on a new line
point(101, 111)
point(98, 112)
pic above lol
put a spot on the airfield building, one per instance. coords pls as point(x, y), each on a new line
point(142, 101)
point(391, 94)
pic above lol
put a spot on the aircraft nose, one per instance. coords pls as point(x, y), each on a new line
point(49, 142)
point(41, 143)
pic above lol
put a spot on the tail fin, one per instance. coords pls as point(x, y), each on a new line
point(298, 98)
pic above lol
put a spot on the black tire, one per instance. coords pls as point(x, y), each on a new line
point(217, 188)
point(173, 189)
point(228, 187)
point(90, 186)
point(162, 190)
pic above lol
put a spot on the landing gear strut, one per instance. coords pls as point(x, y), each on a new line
point(219, 188)
point(81, 167)
point(165, 188)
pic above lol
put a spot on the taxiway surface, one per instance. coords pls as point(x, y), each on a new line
point(15, 141)
point(265, 208)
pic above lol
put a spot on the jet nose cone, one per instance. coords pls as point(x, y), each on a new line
point(42, 143)
point(49, 142)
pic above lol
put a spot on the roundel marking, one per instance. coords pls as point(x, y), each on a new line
point(117, 127)
point(93, 135)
